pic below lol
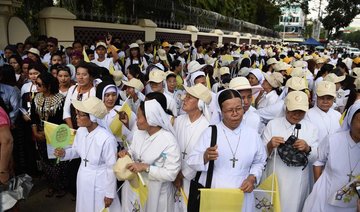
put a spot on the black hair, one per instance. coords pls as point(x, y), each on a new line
point(75, 42)
point(63, 68)
point(325, 68)
point(38, 66)
point(175, 64)
point(228, 94)
point(101, 86)
point(7, 74)
point(246, 62)
point(161, 99)
point(17, 58)
point(50, 82)
point(90, 67)
point(135, 71)
point(89, 51)
point(343, 66)
point(197, 43)
point(201, 61)
point(57, 53)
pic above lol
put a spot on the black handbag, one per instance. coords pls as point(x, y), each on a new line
point(291, 156)
point(194, 194)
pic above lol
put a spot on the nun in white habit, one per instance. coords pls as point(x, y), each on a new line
point(157, 158)
point(96, 182)
point(239, 155)
point(188, 129)
point(337, 165)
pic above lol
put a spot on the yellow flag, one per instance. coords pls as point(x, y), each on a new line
point(86, 58)
point(267, 196)
point(116, 124)
point(53, 132)
point(140, 190)
point(154, 51)
point(261, 65)
point(342, 117)
point(208, 81)
point(215, 200)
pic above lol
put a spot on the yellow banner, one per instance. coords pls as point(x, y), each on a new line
point(215, 200)
point(116, 124)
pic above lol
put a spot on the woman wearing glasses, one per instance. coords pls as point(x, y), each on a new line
point(48, 106)
point(239, 155)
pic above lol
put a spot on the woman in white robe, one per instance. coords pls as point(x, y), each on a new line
point(272, 89)
point(96, 181)
point(188, 129)
point(336, 166)
point(157, 158)
point(322, 115)
point(108, 93)
point(239, 155)
point(293, 181)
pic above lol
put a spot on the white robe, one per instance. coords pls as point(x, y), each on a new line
point(334, 152)
point(326, 123)
point(293, 182)
point(188, 134)
point(96, 180)
point(268, 99)
point(162, 152)
point(251, 157)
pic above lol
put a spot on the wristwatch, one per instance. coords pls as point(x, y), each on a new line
point(147, 169)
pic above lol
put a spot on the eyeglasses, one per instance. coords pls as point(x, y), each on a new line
point(233, 110)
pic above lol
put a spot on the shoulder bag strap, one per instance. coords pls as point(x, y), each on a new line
point(211, 163)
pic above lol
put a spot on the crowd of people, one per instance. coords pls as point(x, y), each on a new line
point(288, 110)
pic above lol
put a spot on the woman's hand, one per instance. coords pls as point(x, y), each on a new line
point(211, 153)
point(123, 117)
point(179, 180)
point(59, 152)
point(276, 141)
point(40, 136)
point(301, 145)
point(108, 201)
point(123, 153)
point(248, 184)
point(137, 167)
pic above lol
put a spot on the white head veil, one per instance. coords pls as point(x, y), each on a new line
point(349, 116)
point(156, 116)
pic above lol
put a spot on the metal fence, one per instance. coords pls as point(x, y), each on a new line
point(173, 14)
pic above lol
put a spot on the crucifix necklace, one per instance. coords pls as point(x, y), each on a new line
point(184, 153)
point(350, 175)
point(233, 159)
point(87, 153)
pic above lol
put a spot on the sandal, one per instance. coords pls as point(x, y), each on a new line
point(50, 193)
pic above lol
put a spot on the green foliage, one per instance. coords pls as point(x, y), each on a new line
point(340, 13)
point(353, 38)
point(308, 31)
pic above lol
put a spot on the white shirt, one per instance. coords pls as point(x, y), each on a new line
point(268, 99)
point(143, 63)
point(106, 63)
point(71, 95)
point(291, 179)
point(326, 122)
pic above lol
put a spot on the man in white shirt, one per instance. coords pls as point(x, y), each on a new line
point(52, 47)
point(102, 60)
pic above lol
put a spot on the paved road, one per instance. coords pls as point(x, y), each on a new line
point(37, 202)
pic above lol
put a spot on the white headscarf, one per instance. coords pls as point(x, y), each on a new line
point(349, 116)
point(191, 77)
point(156, 116)
point(205, 109)
point(258, 74)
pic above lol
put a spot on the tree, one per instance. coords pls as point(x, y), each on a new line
point(340, 13)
